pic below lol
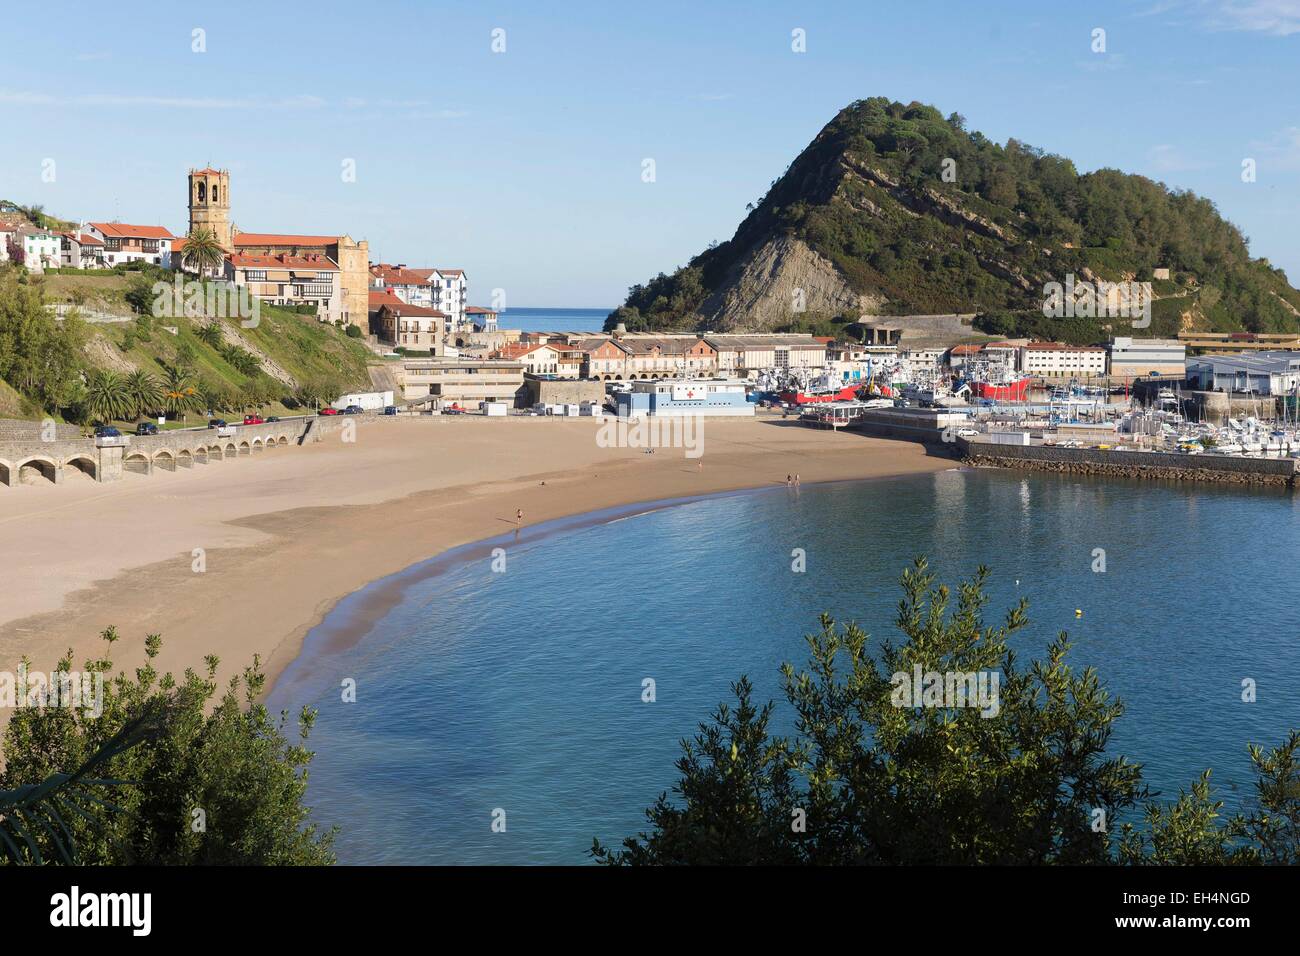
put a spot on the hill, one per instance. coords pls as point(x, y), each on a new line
point(46, 365)
point(894, 209)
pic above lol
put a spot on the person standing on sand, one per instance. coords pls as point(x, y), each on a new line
point(788, 479)
point(519, 516)
point(796, 480)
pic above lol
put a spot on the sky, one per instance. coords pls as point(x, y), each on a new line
point(511, 139)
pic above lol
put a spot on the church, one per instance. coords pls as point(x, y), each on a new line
point(331, 272)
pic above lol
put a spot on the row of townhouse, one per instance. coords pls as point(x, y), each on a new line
point(628, 356)
point(95, 245)
point(311, 280)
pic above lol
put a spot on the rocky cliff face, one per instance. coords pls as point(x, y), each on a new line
point(778, 281)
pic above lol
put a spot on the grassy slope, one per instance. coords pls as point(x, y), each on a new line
point(301, 346)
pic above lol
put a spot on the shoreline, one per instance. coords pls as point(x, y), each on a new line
point(344, 627)
point(288, 538)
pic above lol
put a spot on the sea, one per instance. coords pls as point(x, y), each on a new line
point(514, 693)
point(553, 320)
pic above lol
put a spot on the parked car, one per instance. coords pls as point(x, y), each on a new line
point(254, 420)
point(273, 418)
point(146, 428)
point(107, 431)
point(352, 410)
point(217, 423)
point(327, 410)
point(390, 409)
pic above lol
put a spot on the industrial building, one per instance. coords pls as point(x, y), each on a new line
point(1260, 373)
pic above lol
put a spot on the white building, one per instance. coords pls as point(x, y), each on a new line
point(1130, 357)
point(1057, 360)
point(412, 286)
point(41, 248)
point(371, 401)
point(124, 242)
point(450, 293)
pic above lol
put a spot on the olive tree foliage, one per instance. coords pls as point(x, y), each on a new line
point(869, 777)
point(214, 780)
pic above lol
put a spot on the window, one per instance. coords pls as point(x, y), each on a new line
point(255, 275)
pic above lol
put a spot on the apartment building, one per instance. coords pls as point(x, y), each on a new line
point(41, 248)
point(1132, 358)
point(411, 286)
point(1057, 360)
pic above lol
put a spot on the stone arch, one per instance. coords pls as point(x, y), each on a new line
point(6, 473)
point(81, 465)
point(202, 191)
point(201, 455)
point(257, 445)
point(231, 450)
point(164, 460)
point(283, 440)
point(37, 471)
point(245, 448)
point(185, 458)
point(137, 463)
point(618, 378)
point(214, 453)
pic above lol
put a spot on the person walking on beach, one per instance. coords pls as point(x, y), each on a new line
point(796, 481)
point(788, 479)
point(519, 516)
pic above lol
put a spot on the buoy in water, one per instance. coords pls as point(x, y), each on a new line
point(1078, 612)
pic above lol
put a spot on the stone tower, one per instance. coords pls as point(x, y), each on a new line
point(210, 203)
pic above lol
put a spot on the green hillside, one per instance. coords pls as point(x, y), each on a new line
point(57, 367)
point(921, 215)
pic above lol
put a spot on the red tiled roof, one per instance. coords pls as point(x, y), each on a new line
point(315, 263)
point(379, 299)
point(280, 239)
point(395, 276)
point(122, 230)
point(401, 308)
point(207, 172)
point(450, 272)
point(475, 310)
point(965, 349)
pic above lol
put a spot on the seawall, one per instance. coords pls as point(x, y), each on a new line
point(1129, 464)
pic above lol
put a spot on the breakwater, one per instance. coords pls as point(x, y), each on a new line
point(1131, 464)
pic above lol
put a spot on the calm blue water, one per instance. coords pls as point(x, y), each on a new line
point(521, 690)
point(553, 320)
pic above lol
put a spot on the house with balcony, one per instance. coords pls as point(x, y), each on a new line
point(80, 250)
point(124, 242)
point(305, 281)
point(411, 327)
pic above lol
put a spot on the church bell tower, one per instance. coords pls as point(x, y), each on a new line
point(210, 203)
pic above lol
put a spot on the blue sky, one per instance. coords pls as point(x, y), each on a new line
point(524, 167)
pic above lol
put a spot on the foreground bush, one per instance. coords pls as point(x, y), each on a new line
point(868, 779)
point(170, 773)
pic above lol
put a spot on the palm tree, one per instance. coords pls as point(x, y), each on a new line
point(179, 393)
point(145, 393)
point(107, 397)
point(203, 252)
point(209, 333)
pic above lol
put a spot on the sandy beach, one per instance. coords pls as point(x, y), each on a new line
point(286, 535)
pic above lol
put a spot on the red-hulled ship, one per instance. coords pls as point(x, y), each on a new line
point(801, 397)
point(1011, 390)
